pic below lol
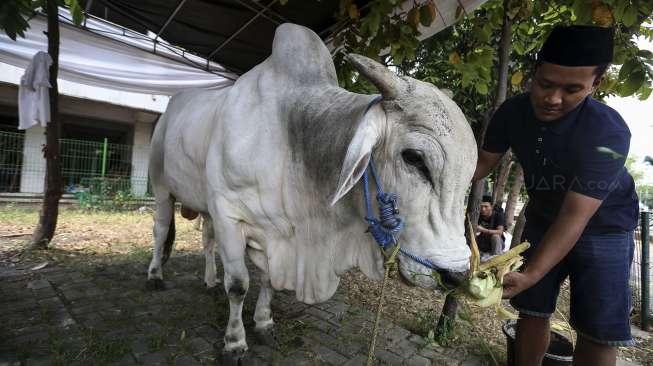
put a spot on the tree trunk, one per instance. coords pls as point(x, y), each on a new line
point(513, 196)
point(476, 193)
point(502, 179)
point(519, 227)
point(53, 180)
point(500, 96)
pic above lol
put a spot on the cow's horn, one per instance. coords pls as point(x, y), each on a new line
point(385, 80)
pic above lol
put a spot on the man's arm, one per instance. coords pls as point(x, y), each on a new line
point(497, 231)
point(486, 162)
point(577, 209)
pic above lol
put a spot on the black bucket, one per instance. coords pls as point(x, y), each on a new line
point(560, 352)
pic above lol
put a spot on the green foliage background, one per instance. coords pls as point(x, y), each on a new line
point(464, 57)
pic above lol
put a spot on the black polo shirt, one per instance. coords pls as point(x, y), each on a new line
point(584, 152)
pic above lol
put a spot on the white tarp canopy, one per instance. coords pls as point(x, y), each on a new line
point(115, 58)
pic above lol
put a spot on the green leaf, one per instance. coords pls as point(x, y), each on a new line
point(645, 92)
point(480, 35)
point(626, 69)
point(583, 11)
point(634, 82)
point(645, 54)
point(619, 11)
point(481, 88)
point(76, 11)
point(375, 21)
point(630, 16)
point(13, 15)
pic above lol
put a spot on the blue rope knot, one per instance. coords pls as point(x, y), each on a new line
point(388, 211)
point(385, 228)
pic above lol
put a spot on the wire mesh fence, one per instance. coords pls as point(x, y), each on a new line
point(636, 279)
point(100, 169)
point(11, 160)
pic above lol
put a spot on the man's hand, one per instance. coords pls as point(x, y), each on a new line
point(516, 282)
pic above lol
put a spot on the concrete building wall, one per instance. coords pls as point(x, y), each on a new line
point(140, 158)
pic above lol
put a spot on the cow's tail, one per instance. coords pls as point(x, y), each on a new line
point(170, 238)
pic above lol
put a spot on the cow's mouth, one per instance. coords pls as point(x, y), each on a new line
point(452, 279)
point(441, 279)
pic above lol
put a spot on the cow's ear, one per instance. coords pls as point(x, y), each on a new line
point(359, 152)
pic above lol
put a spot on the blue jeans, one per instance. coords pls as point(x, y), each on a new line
point(598, 267)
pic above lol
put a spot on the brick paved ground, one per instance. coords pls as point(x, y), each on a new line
point(102, 314)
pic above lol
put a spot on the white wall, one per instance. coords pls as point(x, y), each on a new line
point(140, 158)
point(32, 175)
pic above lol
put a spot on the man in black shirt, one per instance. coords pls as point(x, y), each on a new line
point(582, 206)
point(490, 228)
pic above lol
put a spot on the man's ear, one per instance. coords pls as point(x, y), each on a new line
point(597, 83)
point(367, 135)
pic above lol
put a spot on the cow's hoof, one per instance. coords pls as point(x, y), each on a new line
point(232, 358)
point(155, 284)
point(267, 336)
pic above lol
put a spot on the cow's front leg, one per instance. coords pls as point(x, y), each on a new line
point(236, 283)
point(263, 314)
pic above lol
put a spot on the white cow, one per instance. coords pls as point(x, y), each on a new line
point(273, 164)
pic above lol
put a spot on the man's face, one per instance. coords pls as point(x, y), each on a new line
point(556, 90)
point(486, 209)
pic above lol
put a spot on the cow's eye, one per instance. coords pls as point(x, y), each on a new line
point(415, 158)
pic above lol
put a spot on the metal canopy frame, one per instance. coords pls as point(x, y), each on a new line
point(167, 22)
point(242, 28)
point(257, 8)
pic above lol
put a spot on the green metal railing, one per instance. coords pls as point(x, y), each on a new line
point(89, 159)
point(83, 163)
point(11, 160)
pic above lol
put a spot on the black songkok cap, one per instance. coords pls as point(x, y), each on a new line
point(578, 45)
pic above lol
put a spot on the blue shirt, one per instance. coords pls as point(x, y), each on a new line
point(583, 152)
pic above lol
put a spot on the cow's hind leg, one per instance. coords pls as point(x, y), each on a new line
point(264, 329)
point(236, 284)
point(164, 233)
point(209, 242)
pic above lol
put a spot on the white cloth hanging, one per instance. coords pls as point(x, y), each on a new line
point(111, 59)
point(33, 93)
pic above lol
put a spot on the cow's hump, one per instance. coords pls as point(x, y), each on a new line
point(299, 54)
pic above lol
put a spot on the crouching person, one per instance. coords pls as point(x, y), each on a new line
point(489, 236)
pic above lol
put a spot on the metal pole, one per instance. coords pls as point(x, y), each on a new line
point(104, 157)
point(646, 271)
point(172, 15)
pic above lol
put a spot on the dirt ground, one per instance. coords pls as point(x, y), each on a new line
point(105, 236)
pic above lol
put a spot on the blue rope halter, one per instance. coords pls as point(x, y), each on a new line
point(385, 228)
